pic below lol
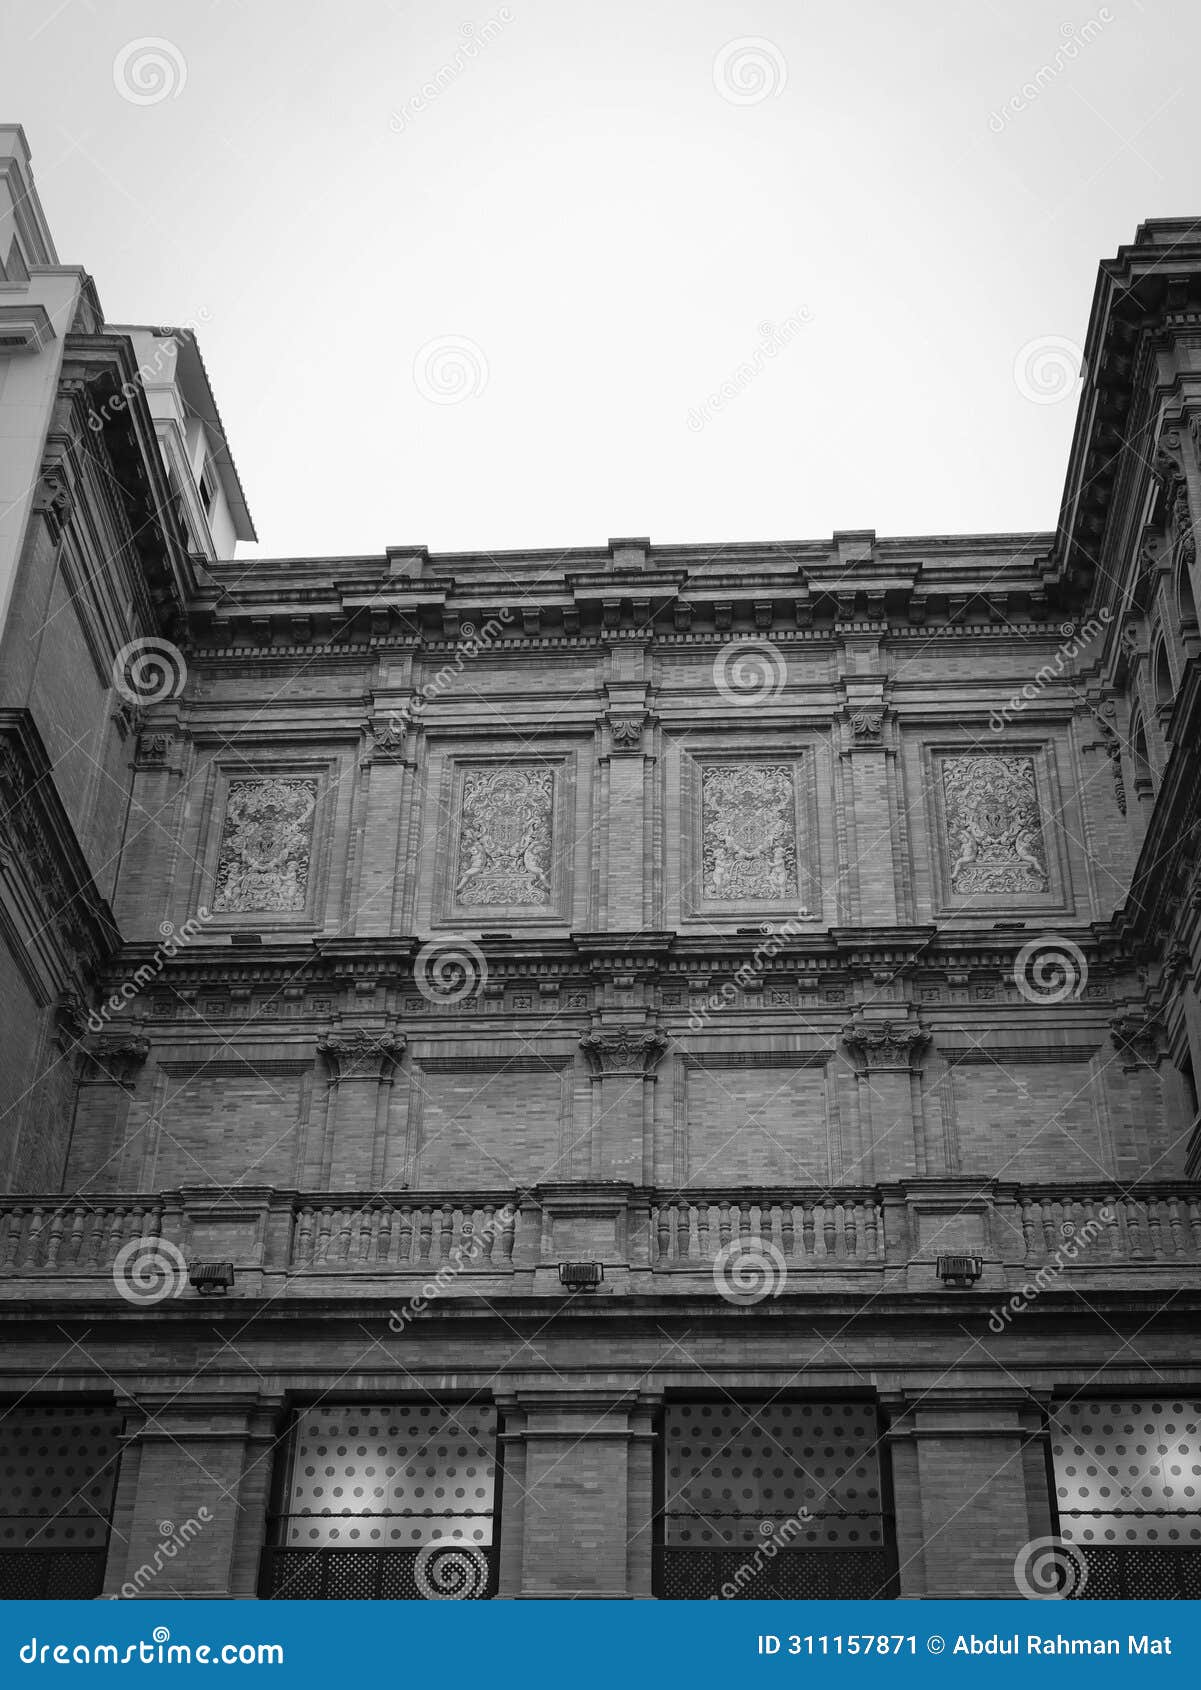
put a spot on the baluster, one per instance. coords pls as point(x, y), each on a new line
point(54, 1238)
point(744, 1220)
point(10, 1236)
point(383, 1239)
point(849, 1232)
point(446, 1243)
point(425, 1232)
point(1194, 1222)
point(93, 1232)
point(774, 1224)
point(807, 1226)
point(663, 1232)
point(34, 1240)
point(828, 1227)
point(302, 1235)
point(325, 1225)
point(507, 1235)
point(1175, 1233)
point(787, 1237)
point(405, 1234)
point(75, 1242)
point(871, 1229)
point(702, 1231)
point(1051, 1226)
point(724, 1225)
point(1068, 1225)
point(1136, 1224)
point(683, 1213)
point(1155, 1220)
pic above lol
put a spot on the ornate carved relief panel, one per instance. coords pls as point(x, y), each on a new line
point(748, 832)
point(265, 852)
point(994, 830)
point(506, 841)
point(506, 819)
point(995, 818)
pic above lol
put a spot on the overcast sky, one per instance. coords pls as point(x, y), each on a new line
point(498, 313)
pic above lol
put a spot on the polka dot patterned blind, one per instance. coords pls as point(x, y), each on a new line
point(802, 1475)
point(58, 1473)
point(392, 1477)
point(1129, 1472)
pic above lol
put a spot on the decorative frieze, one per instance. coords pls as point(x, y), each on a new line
point(994, 827)
point(265, 853)
point(505, 832)
point(748, 832)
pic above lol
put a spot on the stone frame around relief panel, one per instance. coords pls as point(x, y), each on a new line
point(451, 908)
point(1056, 898)
point(227, 775)
point(696, 903)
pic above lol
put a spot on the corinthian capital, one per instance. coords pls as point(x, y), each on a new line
point(884, 1044)
point(359, 1053)
point(623, 1050)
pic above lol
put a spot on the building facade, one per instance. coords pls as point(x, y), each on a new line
point(629, 1072)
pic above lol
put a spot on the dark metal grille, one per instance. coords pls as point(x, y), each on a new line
point(50, 1574)
point(373, 1575)
point(1139, 1574)
point(792, 1575)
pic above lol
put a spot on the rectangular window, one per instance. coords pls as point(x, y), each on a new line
point(386, 1501)
point(58, 1476)
point(772, 1501)
point(1128, 1496)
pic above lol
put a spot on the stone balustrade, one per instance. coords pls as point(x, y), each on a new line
point(814, 1226)
point(56, 1244)
point(49, 1234)
point(387, 1233)
point(1147, 1223)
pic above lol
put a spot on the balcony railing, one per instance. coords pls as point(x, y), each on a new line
point(46, 1232)
point(843, 1226)
point(512, 1242)
point(414, 1234)
point(1151, 1224)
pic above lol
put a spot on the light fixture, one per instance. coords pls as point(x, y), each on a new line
point(960, 1270)
point(581, 1276)
point(211, 1279)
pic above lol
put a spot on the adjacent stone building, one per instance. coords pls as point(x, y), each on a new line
point(625, 1072)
